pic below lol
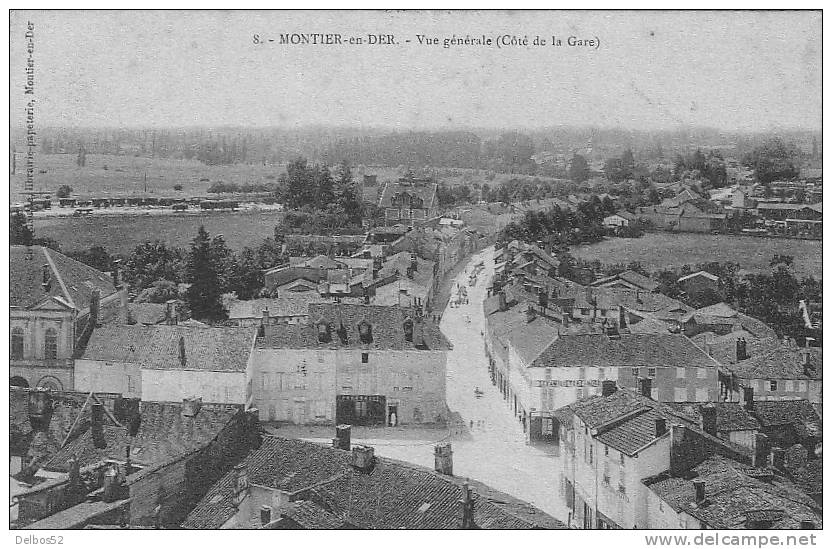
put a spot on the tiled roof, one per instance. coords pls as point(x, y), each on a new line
point(148, 313)
point(731, 492)
point(662, 307)
point(70, 280)
point(426, 192)
point(399, 264)
point(769, 359)
point(288, 304)
point(704, 274)
point(730, 416)
point(783, 412)
point(810, 477)
point(394, 495)
point(531, 338)
point(627, 350)
point(312, 517)
point(625, 420)
point(157, 347)
point(164, 434)
point(387, 329)
point(634, 278)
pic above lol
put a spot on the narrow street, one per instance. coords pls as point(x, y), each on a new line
point(492, 449)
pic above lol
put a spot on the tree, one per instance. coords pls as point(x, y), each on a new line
point(96, 257)
point(177, 187)
point(578, 169)
point(150, 262)
point(19, 232)
point(63, 191)
point(204, 296)
point(772, 161)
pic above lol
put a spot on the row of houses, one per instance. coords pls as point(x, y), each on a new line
point(628, 461)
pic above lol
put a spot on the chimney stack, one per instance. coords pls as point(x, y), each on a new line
point(748, 398)
point(466, 505)
point(183, 359)
point(661, 426)
point(699, 488)
point(240, 483)
point(265, 320)
point(742, 349)
point(502, 300)
point(265, 515)
point(778, 458)
point(707, 419)
point(97, 425)
point(608, 387)
point(170, 312)
point(363, 458)
point(646, 387)
point(443, 459)
point(116, 272)
point(342, 436)
point(40, 409)
point(95, 307)
point(414, 263)
point(191, 406)
point(760, 450)
point(111, 485)
point(622, 317)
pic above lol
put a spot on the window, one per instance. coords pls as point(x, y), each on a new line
point(701, 373)
point(548, 374)
point(772, 385)
point(621, 459)
point(702, 395)
point(547, 426)
point(801, 386)
point(17, 343)
point(680, 373)
point(365, 332)
point(50, 344)
point(606, 450)
point(131, 384)
point(788, 386)
point(579, 393)
point(361, 408)
point(365, 358)
point(320, 356)
point(590, 453)
point(651, 372)
point(635, 372)
point(680, 394)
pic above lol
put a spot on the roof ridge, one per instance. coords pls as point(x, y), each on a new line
point(54, 268)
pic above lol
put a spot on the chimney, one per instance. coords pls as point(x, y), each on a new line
point(183, 359)
point(777, 458)
point(502, 300)
point(363, 458)
point(46, 277)
point(40, 409)
point(407, 326)
point(622, 317)
point(443, 459)
point(466, 505)
point(530, 314)
point(807, 525)
point(543, 298)
point(265, 515)
point(661, 426)
point(748, 398)
point(741, 349)
point(608, 387)
point(707, 419)
point(343, 436)
point(240, 483)
point(95, 307)
point(124, 309)
point(414, 263)
point(97, 425)
point(265, 320)
point(115, 272)
point(191, 406)
point(170, 312)
point(418, 333)
point(111, 485)
point(760, 450)
point(646, 387)
point(806, 360)
point(699, 489)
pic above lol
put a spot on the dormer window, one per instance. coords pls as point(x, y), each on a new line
point(365, 332)
point(324, 332)
point(408, 330)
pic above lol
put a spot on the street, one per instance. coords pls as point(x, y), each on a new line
point(492, 449)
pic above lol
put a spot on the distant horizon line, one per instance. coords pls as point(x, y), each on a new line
point(472, 128)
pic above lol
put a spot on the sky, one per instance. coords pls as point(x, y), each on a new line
point(738, 71)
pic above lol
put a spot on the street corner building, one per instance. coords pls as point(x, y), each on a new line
point(353, 364)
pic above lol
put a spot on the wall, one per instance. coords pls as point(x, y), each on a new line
point(176, 385)
point(412, 379)
point(787, 389)
point(109, 377)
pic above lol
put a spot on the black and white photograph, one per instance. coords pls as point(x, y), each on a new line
point(417, 269)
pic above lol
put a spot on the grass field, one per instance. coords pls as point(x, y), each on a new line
point(660, 250)
point(120, 234)
point(125, 175)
